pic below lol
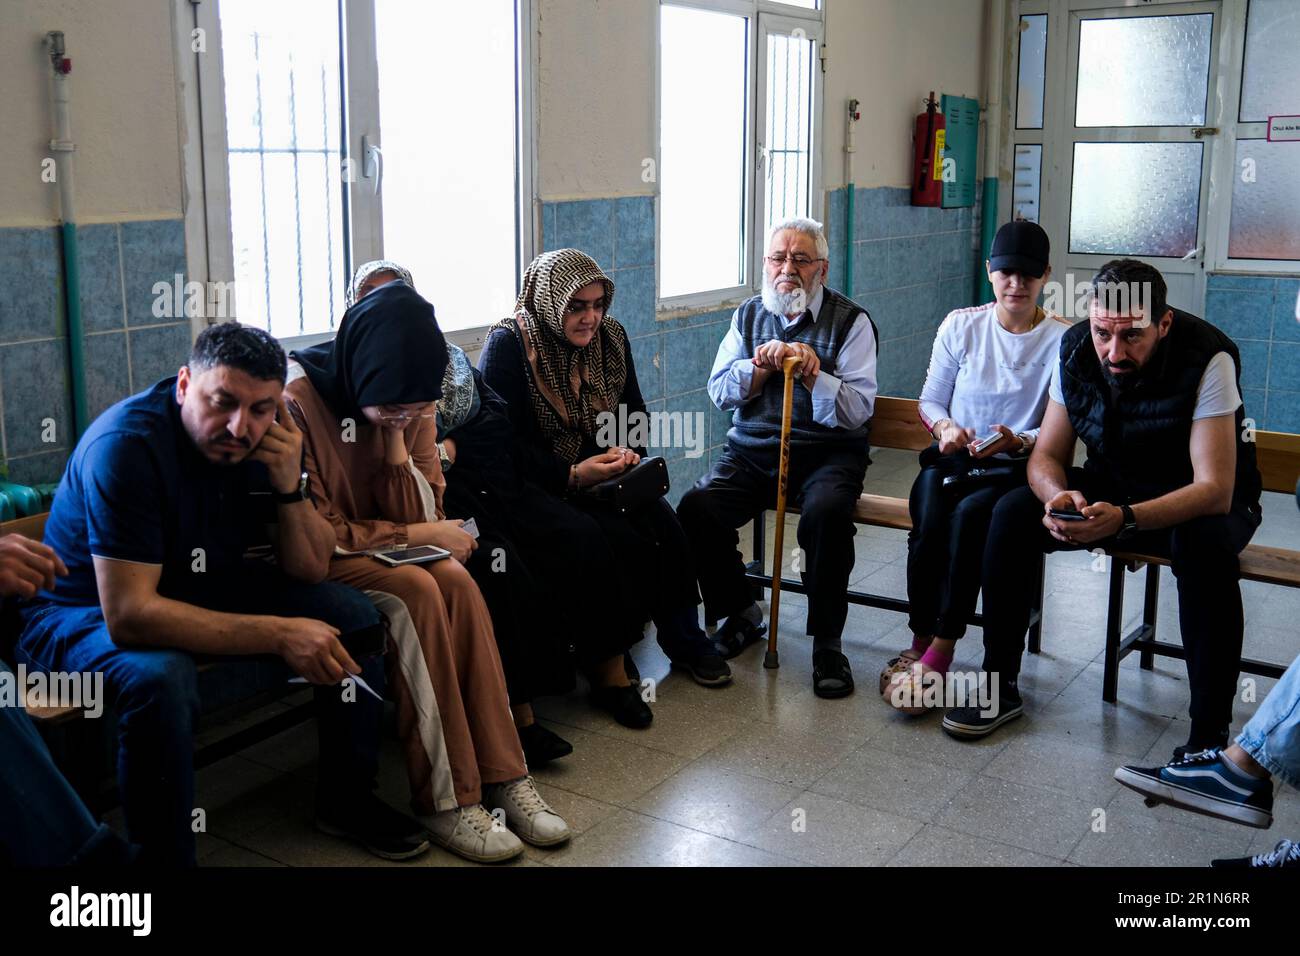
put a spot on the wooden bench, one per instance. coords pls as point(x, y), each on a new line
point(896, 423)
point(1278, 455)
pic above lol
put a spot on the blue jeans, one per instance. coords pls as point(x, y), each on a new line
point(1272, 736)
point(42, 820)
point(154, 693)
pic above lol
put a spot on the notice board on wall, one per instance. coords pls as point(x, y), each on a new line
point(961, 145)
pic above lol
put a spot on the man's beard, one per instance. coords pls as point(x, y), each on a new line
point(789, 303)
point(1124, 381)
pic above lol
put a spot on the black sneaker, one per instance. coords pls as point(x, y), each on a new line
point(541, 746)
point(369, 821)
point(700, 657)
point(736, 634)
point(969, 723)
point(624, 704)
point(1191, 747)
point(1285, 854)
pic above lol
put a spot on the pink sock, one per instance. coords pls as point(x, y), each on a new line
point(936, 660)
point(919, 644)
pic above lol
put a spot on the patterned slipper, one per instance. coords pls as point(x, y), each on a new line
point(906, 688)
point(897, 665)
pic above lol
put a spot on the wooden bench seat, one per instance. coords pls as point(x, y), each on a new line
point(1278, 456)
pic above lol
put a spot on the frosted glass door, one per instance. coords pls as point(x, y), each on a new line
point(1134, 146)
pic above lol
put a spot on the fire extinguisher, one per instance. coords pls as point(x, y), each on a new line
point(927, 155)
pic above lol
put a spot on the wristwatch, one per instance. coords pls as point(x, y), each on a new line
point(293, 497)
point(1024, 443)
point(1130, 526)
point(442, 456)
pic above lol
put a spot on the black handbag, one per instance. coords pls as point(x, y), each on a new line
point(639, 485)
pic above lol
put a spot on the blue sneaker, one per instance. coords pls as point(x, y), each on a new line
point(1203, 783)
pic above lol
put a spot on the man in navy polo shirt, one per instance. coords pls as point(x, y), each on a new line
point(161, 499)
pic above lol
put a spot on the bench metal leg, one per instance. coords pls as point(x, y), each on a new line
point(1150, 604)
point(1114, 620)
point(1036, 613)
point(759, 563)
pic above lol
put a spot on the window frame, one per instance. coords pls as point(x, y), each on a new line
point(206, 175)
point(758, 14)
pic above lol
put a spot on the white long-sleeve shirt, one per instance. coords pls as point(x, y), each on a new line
point(843, 400)
point(982, 375)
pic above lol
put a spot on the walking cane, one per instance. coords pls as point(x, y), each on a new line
point(771, 659)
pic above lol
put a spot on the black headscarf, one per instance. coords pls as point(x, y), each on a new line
point(388, 351)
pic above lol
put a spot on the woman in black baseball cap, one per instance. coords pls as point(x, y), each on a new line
point(988, 379)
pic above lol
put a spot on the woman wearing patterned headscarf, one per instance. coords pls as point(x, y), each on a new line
point(365, 406)
point(558, 363)
point(517, 568)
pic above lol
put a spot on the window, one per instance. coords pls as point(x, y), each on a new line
point(328, 140)
point(1032, 72)
point(739, 101)
point(1265, 176)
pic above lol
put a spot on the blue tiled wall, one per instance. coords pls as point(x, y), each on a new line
point(126, 347)
point(1258, 312)
point(912, 266)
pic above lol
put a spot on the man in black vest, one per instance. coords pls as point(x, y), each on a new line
point(835, 340)
point(1154, 393)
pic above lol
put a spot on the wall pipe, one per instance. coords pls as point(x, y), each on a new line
point(62, 147)
point(849, 149)
point(995, 12)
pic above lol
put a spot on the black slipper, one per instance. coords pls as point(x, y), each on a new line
point(541, 746)
point(832, 676)
point(624, 704)
point(736, 634)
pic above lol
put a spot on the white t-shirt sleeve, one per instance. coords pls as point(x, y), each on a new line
point(1217, 394)
point(1054, 387)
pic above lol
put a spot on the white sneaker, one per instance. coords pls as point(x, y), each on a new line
point(473, 833)
point(527, 813)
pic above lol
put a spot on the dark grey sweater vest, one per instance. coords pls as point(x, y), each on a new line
point(756, 425)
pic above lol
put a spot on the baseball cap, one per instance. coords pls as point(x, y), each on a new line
point(1020, 246)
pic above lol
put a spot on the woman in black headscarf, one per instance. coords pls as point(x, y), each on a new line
point(366, 409)
point(558, 363)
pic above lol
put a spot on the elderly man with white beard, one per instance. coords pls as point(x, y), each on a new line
point(836, 341)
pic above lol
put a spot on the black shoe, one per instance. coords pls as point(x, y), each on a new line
point(541, 746)
point(630, 668)
point(968, 723)
point(624, 704)
point(1285, 854)
point(736, 634)
point(1193, 747)
point(832, 676)
point(375, 825)
point(700, 656)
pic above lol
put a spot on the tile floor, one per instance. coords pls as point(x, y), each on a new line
point(764, 773)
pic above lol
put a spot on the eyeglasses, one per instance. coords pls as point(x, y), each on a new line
point(401, 415)
point(579, 306)
point(800, 261)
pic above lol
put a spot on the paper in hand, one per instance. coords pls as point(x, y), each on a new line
point(356, 677)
